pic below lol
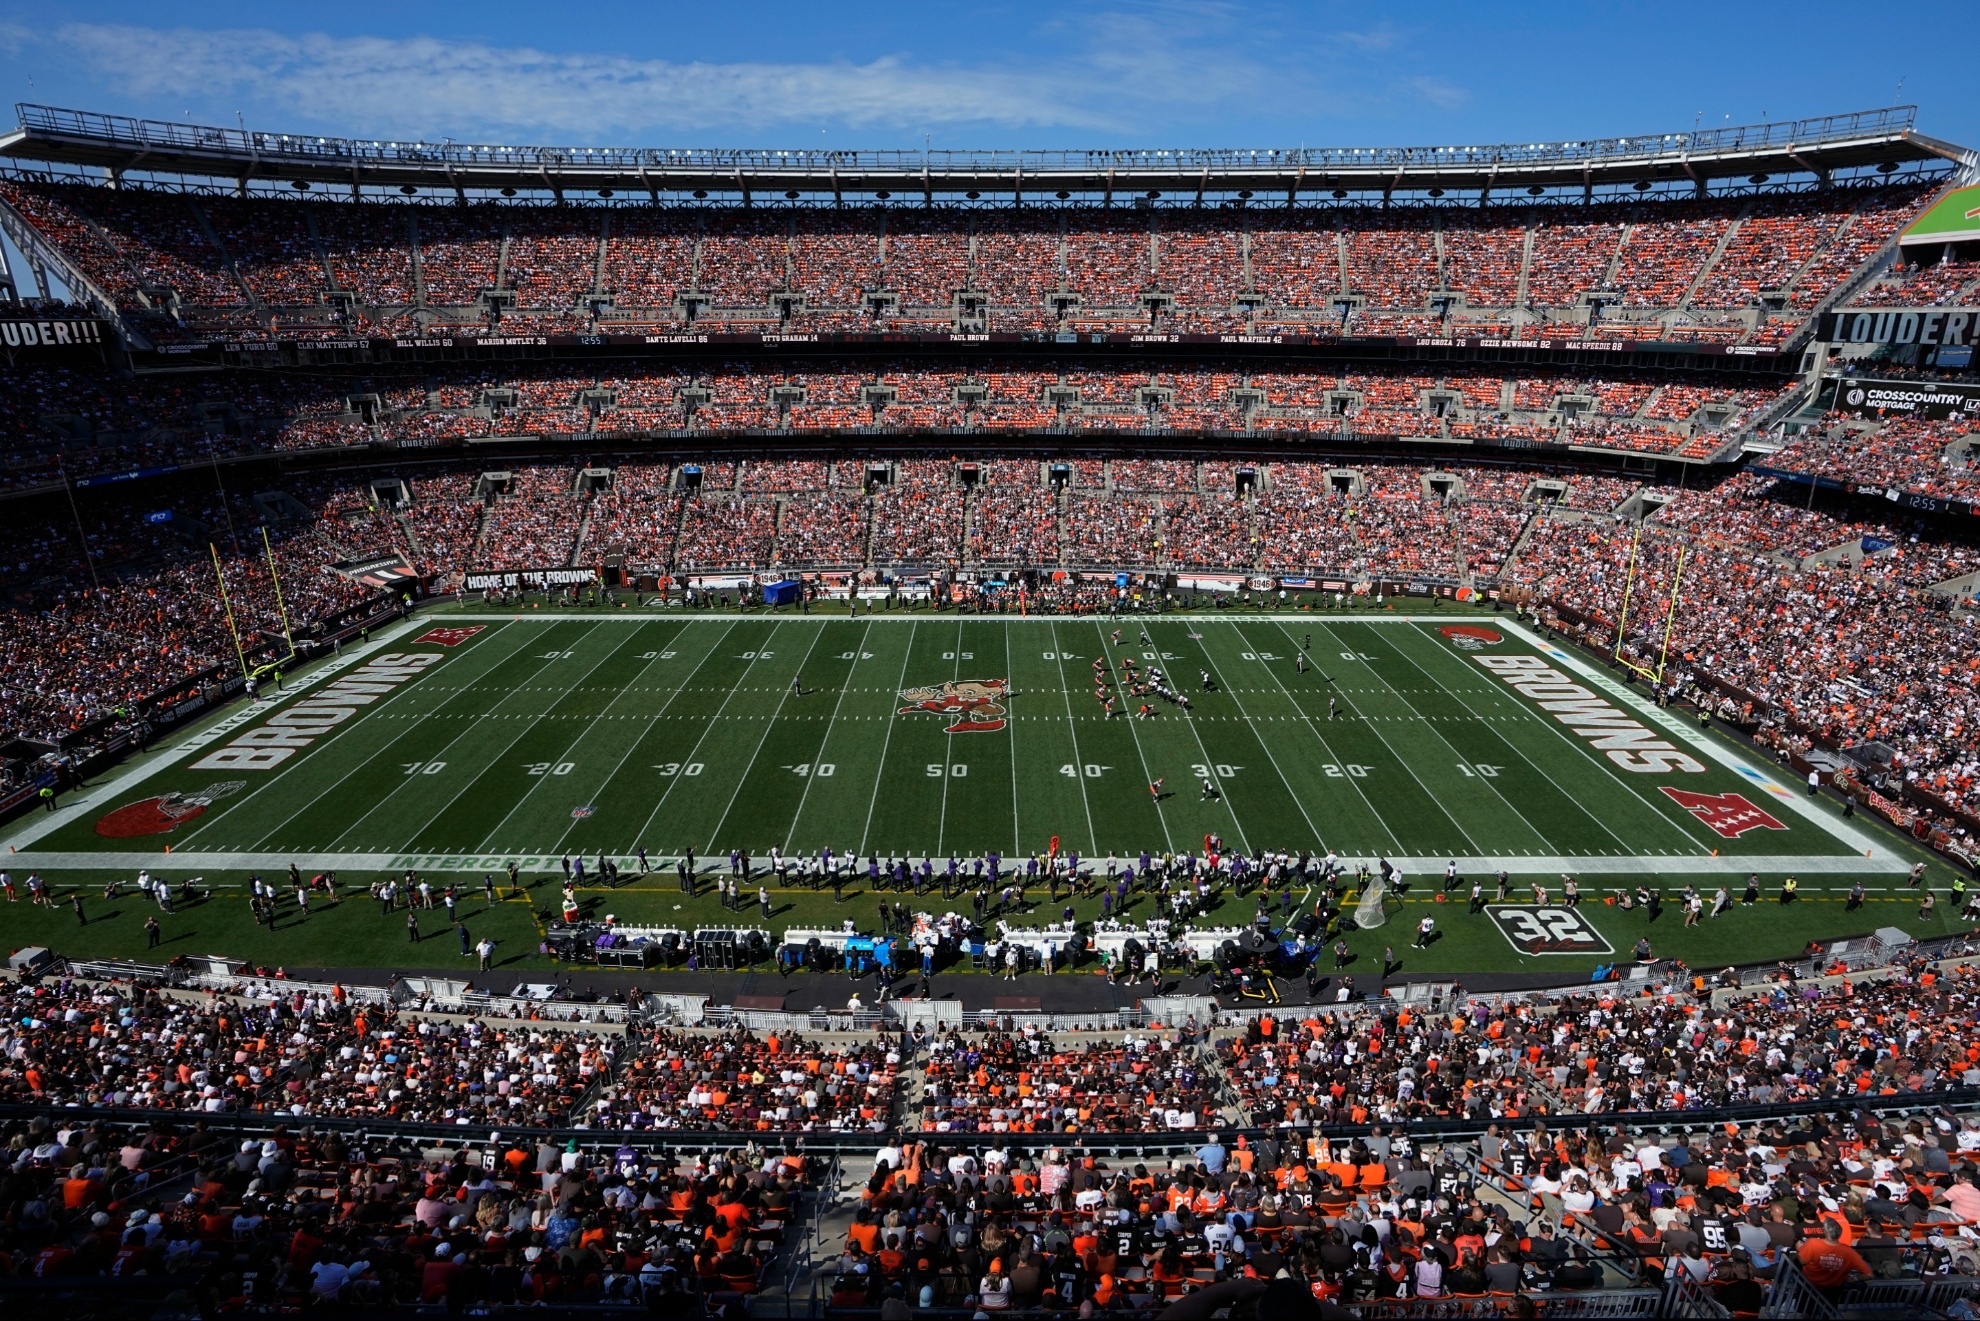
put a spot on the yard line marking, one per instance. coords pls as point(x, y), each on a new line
point(1537, 834)
point(879, 773)
point(1072, 727)
point(1313, 728)
point(1017, 835)
point(1531, 715)
point(1135, 734)
point(1517, 750)
point(1862, 845)
point(1209, 763)
point(520, 735)
point(147, 765)
point(390, 741)
point(652, 720)
point(804, 795)
point(668, 792)
point(757, 751)
point(949, 746)
point(529, 793)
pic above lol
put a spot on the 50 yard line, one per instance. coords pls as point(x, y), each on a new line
point(1010, 728)
point(949, 746)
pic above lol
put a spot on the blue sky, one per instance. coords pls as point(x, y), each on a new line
point(997, 74)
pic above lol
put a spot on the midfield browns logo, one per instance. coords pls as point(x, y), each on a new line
point(1471, 637)
point(155, 816)
point(1535, 930)
point(975, 705)
point(1727, 815)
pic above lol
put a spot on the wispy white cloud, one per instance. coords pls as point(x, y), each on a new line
point(1160, 68)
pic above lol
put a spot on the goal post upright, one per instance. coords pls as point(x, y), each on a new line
point(1670, 616)
point(228, 605)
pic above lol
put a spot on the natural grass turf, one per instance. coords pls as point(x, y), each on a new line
point(354, 933)
point(676, 729)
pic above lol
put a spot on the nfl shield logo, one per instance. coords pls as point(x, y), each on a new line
point(580, 813)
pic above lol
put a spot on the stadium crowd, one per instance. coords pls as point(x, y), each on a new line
point(260, 265)
point(74, 422)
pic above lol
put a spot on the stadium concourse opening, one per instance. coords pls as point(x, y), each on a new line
point(563, 656)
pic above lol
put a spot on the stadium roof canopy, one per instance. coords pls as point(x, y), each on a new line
point(1818, 147)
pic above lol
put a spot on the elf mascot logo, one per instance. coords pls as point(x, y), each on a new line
point(1470, 637)
point(975, 705)
point(155, 816)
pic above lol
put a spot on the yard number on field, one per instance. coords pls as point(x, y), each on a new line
point(675, 768)
point(1223, 768)
point(936, 770)
point(1474, 769)
point(1092, 770)
point(821, 769)
point(424, 767)
point(549, 767)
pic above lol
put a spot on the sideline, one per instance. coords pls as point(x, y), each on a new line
point(1868, 850)
point(91, 798)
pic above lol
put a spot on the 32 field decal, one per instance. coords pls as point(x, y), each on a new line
point(1535, 930)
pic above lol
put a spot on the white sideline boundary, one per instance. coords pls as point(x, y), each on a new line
point(1869, 850)
point(91, 799)
point(1428, 871)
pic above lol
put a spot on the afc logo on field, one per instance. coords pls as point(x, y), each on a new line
point(1727, 815)
point(1534, 930)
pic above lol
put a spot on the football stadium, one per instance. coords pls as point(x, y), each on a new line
point(1377, 731)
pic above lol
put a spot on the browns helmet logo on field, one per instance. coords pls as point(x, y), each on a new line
point(975, 705)
point(1471, 637)
point(155, 816)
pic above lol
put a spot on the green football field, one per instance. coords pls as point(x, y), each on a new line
point(463, 741)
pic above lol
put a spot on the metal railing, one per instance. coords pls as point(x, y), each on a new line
point(270, 151)
point(1793, 1296)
